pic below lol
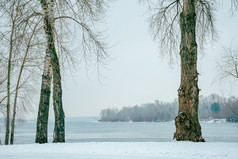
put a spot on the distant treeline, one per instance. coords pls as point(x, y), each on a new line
point(210, 107)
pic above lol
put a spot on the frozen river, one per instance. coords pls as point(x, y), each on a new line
point(88, 129)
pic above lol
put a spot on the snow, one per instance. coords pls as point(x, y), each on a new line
point(122, 150)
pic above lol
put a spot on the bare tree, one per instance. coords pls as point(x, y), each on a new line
point(24, 61)
point(43, 112)
point(182, 19)
point(20, 19)
point(14, 14)
point(228, 67)
point(233, 107)
point(60, 18)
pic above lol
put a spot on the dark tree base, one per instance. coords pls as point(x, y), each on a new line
point(186, 130)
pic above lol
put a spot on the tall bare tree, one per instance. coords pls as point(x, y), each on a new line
point(33, 32)
point(43, 112)
point(21, 18)
point(187, 124)
point(14, 15)
point(81, 13)
point(174, 19)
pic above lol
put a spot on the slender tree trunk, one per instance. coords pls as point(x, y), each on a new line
point(59, 131)
point(14, 109)
point(8, 86)
point(18, 84)
point(187, 123)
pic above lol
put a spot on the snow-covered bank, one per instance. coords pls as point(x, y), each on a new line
point(122, 150)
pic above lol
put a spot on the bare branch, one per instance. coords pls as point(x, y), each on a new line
point(234, 6)
point(228, 66)
point(164, 24)
point(84, 14)
point(205, 21)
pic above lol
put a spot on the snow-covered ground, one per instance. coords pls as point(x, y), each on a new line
point(122, 150)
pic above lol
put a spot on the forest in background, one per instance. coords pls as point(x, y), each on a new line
point(210, 107)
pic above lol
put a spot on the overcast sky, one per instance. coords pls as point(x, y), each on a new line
point(137, 74)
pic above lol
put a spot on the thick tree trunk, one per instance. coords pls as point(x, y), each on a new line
point(187, 123)
point(43, 112)
point(59, 131)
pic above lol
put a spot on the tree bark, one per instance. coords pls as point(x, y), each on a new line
point(8, 85)
point(187, 123)
point(43, 112)
point(59, 130)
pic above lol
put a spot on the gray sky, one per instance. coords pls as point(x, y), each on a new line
point(137, 74)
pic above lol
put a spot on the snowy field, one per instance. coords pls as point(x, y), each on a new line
point(122, 150)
